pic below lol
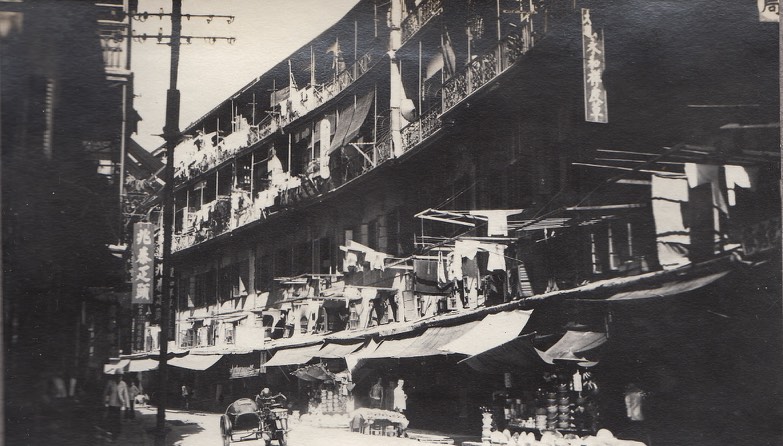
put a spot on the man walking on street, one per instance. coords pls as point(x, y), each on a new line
point(114, 403)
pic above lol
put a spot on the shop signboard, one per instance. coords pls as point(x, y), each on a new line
point(244, 371)
point(761, 237)
point(139, 328)
point(594, 63)
point(142, 272)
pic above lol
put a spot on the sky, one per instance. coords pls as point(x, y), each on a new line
point(266, 32)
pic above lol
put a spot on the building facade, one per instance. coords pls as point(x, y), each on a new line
point(423, 165)
point(66, 113)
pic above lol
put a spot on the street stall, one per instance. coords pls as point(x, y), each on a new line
point(329, 396)
point(378, 422)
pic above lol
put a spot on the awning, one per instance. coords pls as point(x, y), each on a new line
point(116, 366)
point(428, 343)
point(142, 365)
point(493, 330)
point(195, 362)
point(669, 288)
point(518, 354)
point(315, 372)
point(350, 121)
point(293, 356)
point(229, 319)
point(573, 345)
point(335, 351)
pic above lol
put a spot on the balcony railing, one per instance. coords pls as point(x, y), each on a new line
point(484, 68)
point(198, 154)
point(316, 95)
point(417, 131)
point(419, 17)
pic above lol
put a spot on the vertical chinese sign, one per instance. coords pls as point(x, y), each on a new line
point(143, 270)
point(596, 109)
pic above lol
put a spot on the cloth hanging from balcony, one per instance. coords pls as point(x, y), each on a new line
point(669, 196)
point(497, 220)
point(351, 121)
point(449, 57)
point(740, 176)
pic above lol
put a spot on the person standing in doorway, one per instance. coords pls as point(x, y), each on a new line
point(400, 397)
point(376, 395)
point(185, 396)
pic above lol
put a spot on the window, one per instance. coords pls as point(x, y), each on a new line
point(263, 273)
point(210, 188)
point(243, 278)
point(244, 172)
point(392, 233)
point(283, 263)
point(205, 288)
point(187, 338)
point(229, 333)
point(183, 290)
point(372, 234)
point(260, 170)
point(225, 180)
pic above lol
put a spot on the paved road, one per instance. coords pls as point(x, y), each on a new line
point(202, 429)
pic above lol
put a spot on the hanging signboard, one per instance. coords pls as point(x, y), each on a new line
point(594, 63)
point(142, 272)
point(769, 10)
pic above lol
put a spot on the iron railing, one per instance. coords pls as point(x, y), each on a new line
point(418, 18)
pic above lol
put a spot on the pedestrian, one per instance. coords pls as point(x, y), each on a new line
point(400, 397)
point(122, 390)
point(185, 396)
point(113, 403)
point(133, 392)
point(376, 395)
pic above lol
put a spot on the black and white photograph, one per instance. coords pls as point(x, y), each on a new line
point(391, 223)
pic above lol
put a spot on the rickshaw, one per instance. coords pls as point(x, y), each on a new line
point(245, 420)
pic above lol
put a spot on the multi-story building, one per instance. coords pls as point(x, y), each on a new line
point(66, 116)
point(422, 165)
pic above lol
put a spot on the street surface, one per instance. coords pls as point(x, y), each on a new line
point(201, 429)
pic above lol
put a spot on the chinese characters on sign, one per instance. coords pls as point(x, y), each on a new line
point(594, 65)
point(143, 263)
point(769, 10)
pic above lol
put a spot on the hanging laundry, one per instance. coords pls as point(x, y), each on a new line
point(699, 174)
point(466, 248)
point(442, 281)
point(497, 220)
point(454, 267)
point(497, 259)
point(350, 261)
point(669, 198)
point(740, 176)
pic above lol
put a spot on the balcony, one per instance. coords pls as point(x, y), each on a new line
point(486, 67)
point(419, 17)
point(313, 96)
point(417, 131)
point(199, 153)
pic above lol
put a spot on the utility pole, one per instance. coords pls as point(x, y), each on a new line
point(172, 136)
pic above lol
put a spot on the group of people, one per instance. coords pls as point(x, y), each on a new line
point(118, 396)
point(391, 398)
